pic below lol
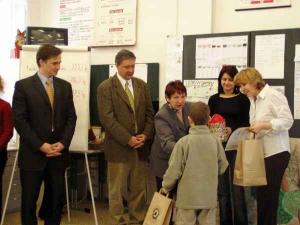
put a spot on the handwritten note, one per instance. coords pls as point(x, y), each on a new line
point(200, 90)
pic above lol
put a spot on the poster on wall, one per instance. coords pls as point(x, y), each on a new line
point(78, 18)
point(213, 53)
point(115, 23)
point(269, 55)
point(174, 58)
point(260, 4)
point(99, 23)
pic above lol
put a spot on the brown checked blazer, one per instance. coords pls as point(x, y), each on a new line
point(117, 117)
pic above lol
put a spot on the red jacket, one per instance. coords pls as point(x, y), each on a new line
point(6, 126)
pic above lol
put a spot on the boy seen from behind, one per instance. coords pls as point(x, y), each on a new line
point(195, 163)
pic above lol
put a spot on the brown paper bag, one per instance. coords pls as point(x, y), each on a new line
point(249, 164)
point(159, 211)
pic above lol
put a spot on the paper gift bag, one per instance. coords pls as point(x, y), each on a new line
point(160, 210)
point(249, 164)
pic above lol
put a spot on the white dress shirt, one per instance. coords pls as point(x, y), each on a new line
point(123, 82)
point(272, 106)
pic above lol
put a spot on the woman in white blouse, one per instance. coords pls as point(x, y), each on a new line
point(270, 119)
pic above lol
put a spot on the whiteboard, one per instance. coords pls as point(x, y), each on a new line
point(75, 68)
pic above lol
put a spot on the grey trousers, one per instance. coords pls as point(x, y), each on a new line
point(195, 216)
point(131, 176)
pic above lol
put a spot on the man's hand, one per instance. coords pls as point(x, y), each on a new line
point(133, 141)
point(58, 146)
point(48, 150)
point(136, 141)
point(141, 138)
point(56, 149)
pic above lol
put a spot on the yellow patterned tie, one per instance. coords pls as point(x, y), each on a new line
point(50, 92)
point(131, 101)
point(129, 94)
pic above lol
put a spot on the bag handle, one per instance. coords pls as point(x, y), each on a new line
point(251, 135)
point(163, 193)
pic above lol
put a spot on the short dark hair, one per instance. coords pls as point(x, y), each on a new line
point(46, 52)
point(231, 70)
point(199, 113)
point(173, 87)
point(122, 55)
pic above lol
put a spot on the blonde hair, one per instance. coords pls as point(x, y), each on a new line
point(249, 75)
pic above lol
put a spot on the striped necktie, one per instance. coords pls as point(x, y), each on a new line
point(50, 92)
point(129, 94)
point(131, 102)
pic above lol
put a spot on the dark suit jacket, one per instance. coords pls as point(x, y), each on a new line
point(168, 130)
point(117, 117)
point(32, 117)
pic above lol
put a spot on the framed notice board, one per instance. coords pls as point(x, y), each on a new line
point(291, 39)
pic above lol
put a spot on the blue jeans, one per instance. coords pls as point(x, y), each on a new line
point(231, 197)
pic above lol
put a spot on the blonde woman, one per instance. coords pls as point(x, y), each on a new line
point(270, 119)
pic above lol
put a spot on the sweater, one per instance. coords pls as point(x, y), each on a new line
point(195, 163)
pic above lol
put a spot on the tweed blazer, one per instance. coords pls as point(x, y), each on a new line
point(118, 118)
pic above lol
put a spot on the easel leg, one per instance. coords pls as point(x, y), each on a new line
point(67, 194)
point(91, 187)
point(9, 187)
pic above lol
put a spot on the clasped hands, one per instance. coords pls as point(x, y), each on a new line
point(137, 141)
point(52, 150)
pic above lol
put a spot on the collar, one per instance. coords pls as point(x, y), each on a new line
point(262, 94)
point(173, 109)
point(199, 129)
point(123, 81)
point(44, 78)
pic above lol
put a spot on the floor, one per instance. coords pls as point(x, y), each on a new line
point(79, 216)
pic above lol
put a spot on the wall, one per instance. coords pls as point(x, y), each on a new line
point(226, 19)
point(155, 20)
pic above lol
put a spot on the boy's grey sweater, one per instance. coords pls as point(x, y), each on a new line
point(196, 161)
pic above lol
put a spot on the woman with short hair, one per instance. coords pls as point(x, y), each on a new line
point(171, 123)
point(270, 120)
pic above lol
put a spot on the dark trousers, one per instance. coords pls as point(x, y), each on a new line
point(31, 183)
point(46, 203)
point(3, 159)
point(233, 210)
point(268, 195)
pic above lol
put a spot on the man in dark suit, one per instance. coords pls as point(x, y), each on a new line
point(45, 118)
point(126, 113)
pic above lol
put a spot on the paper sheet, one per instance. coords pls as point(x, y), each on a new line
point(239, 134)
point(269, 55)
